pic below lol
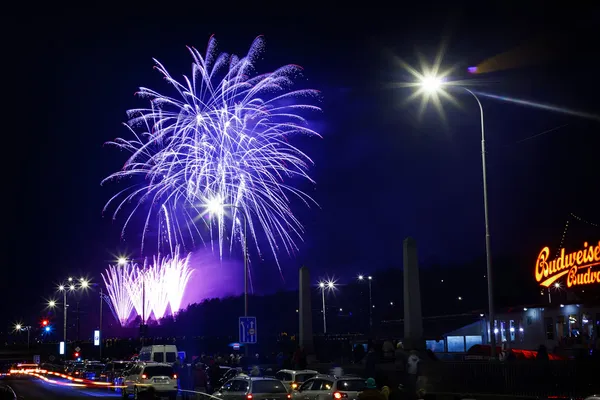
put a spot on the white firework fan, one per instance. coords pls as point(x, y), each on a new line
point(117, 280)
point(178, 273)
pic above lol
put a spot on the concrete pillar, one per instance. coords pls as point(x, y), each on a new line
point(305, 312)
point(413, 317)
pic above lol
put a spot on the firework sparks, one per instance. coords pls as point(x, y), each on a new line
point(225, 135)
point(150, 289)
point(117, 280)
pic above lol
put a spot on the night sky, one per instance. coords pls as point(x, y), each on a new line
point(382, 173)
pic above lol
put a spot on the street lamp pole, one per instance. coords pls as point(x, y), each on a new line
point(324, 313)
point(488, 250)
point(64, 315)
point(28, 328)
point(370, 304)
point(433, 84)
point(325, 285)
point(100, 328)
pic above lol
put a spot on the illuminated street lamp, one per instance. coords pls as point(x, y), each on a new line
point(328, 285)
point(85, 284)
point(369, 279)
point(20, 328)
point(121, 261)
point(432, 85)
point(65, 289)
point(216, 207)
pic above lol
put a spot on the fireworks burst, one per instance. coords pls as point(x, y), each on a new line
point(117, 280)
point(150, 289)
point(224, 136)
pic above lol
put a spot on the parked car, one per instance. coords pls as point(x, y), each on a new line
point(160, 376)
point(325, 387)
point(292, 379)
point(112, 370)
point(92, 372)
point(254, 388)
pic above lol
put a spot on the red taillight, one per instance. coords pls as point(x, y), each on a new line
point(144, 376)
point(249, 397)
point(289, 396)
point(174, 376)
point(338, 395)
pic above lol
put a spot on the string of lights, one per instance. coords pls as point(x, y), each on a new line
point(584, 220)
point(564, 234)
point(562, 239)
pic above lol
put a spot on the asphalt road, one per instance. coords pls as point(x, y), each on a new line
point(33, 389)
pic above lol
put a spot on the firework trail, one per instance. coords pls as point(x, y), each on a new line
point(138, 290)
point(158, 284)
point(177, 276)
point(117, 281)
point(225, 135)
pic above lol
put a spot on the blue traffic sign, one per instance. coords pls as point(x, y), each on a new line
point(248, 332)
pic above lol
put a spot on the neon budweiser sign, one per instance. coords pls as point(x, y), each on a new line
point(580, 267)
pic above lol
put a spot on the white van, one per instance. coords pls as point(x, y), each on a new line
point(159, 353)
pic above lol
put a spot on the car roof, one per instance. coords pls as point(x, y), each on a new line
point(257, 378)
point(156, 364)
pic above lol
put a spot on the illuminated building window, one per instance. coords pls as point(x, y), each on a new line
point(471, 341)
point(512, 329)
point(456, 344)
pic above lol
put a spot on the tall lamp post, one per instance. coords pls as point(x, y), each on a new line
point(216, 207)
point(329, 285)
point(369, 279)
point(433, 85)
point(20, 328)
point(66, 288)
point(85, 284)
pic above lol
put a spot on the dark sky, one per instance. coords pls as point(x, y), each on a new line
point(382, 174)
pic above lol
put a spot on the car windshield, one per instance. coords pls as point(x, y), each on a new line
point(304, 377)
point(158, 371)
point(268, 386)
point(120, 366)
point(351, 385)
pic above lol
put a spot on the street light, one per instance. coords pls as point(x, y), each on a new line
point(20, 327)
point(52, 304)
point(432, 85)
point(215, 207)
point(122, 261)
point(84, 285)
point(65, 289)
point(369, 279)
point(329, 285)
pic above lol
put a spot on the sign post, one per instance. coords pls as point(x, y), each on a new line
point(61, 348)
point(96, 338)
point(248, 330)
point(37, 359)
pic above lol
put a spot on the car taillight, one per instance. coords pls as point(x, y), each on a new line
point(174, 376)
point(249, 397)
point(339, 395)
point(144, 376)
point(289, 396)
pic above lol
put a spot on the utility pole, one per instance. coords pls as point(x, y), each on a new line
point(77, 321)
point(100, 327)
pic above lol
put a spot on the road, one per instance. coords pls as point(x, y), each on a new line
point(33, 389)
